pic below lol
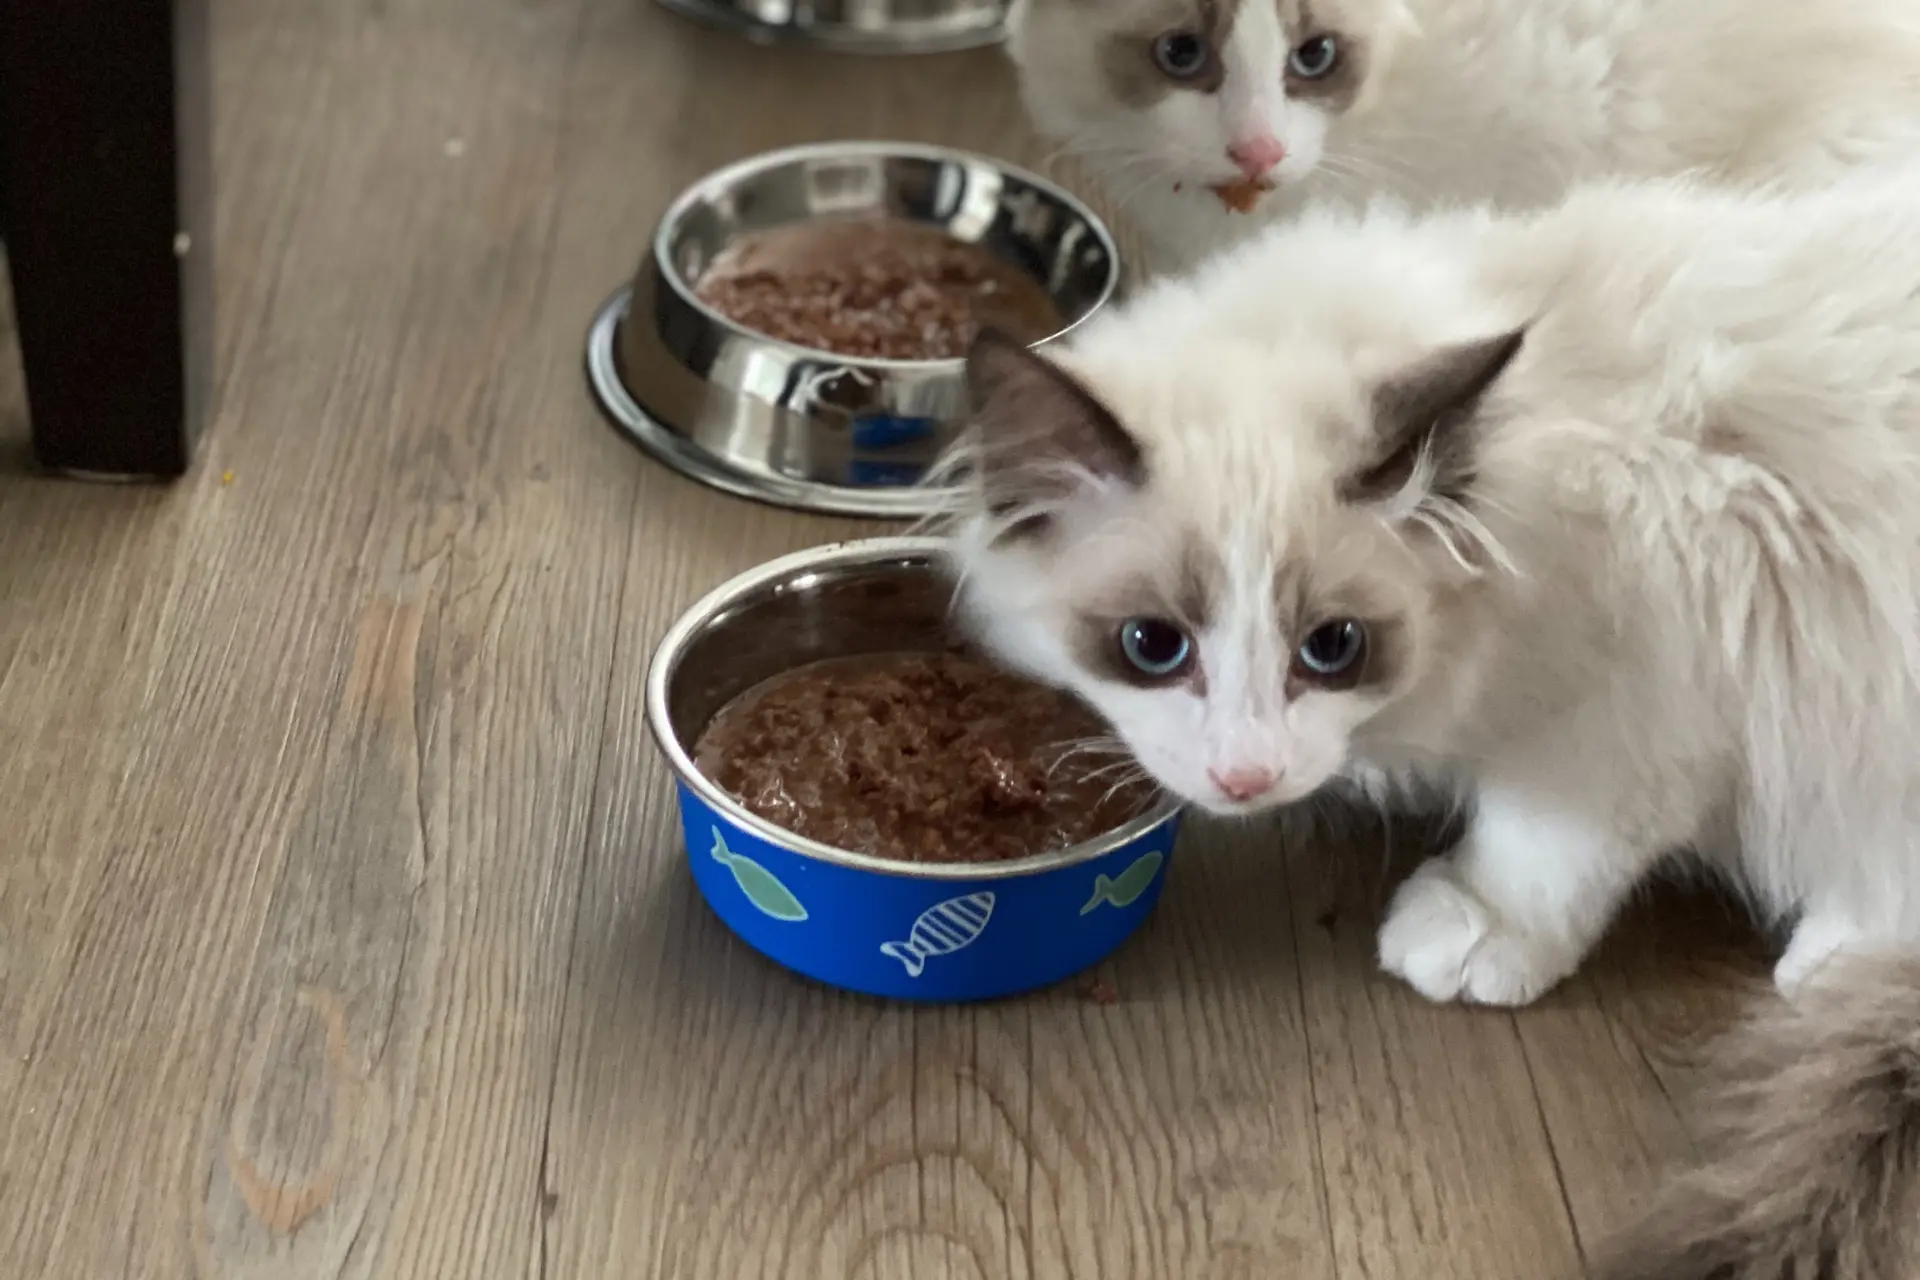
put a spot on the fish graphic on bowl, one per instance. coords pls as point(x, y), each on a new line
point(942, 929)
point(943, 932)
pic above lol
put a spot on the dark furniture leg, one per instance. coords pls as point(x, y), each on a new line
point(106, 210)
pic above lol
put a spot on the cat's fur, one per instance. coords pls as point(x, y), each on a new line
point(1628, 496)
point(1809, 1129)
point(1463, 101)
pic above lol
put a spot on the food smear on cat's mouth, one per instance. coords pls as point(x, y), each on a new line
point(1241, 196)
point(874, 288)
point(922, 757)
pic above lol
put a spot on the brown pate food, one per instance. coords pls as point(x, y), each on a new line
point(1242, 195)
point(925, 757)
point(879, 288)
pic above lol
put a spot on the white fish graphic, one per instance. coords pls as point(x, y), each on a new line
point(942, 929)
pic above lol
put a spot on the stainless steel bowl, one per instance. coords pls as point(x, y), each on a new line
point(857, 26)
point(765, 419)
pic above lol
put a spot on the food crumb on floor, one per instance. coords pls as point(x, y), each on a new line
point(226, 477)
point(1100, 991)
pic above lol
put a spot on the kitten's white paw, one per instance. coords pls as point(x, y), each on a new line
point(1447, 944)
point(1816, 940)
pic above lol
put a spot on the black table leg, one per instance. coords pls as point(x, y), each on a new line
point(106, 209)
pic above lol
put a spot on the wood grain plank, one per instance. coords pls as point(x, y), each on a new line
point(1609, 1052)
point(300, 1019)
point(1438, 1162)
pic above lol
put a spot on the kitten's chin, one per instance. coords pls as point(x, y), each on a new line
point(1272, 802)
point(1281, 797)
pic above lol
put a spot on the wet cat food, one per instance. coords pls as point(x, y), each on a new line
point(875, 288)
point(926, 757)
point(1241, 196)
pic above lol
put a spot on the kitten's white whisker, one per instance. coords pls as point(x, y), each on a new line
point(1126, 768)
point(1090, 747)
point(1124, 196)
point(1133, 780)
point(1361, 159)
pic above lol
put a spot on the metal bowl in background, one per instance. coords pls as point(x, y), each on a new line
point(857, 26)
point(908, 930)
point(765, 419)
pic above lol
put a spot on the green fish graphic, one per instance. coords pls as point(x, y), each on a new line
point(763, 890)
point(1132, 883)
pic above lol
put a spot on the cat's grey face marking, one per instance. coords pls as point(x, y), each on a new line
point(1260, 599)
point(1336, 91)
point(1127, 49)
point(1248, 704)
point(1136, 79)
point(1305, 603)
point(1200, 595)
point(1185, 597)
point(1252, 93)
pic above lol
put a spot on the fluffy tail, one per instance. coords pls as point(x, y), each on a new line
point(1810, 1139)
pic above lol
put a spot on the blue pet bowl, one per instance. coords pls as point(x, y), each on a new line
point(912, 931)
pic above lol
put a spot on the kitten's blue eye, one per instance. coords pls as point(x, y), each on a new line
point(1181, 54)
point(1332, 652)
point(1155, 647)
point(1312, 59)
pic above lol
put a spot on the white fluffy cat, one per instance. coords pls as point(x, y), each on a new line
point(1607, 517)
point(1450, 101)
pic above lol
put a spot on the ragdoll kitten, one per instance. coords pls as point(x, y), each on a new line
point(1450, 101)
point(1607, 518)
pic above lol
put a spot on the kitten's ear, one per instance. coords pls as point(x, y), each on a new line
point(1041, 434)
point(1424, 418)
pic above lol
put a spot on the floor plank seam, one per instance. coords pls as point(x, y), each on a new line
point(1553, 1146)
point(1313, 1086)
point(546, 1196)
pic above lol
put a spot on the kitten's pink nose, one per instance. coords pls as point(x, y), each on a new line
point(1256, 156)
point(1242, 785)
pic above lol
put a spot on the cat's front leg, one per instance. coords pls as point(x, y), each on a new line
point(1517, 905)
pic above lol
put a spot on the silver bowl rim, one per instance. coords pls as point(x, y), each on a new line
point(858, 551)
point(830, 39)
point(672, 450)
point(661, 259)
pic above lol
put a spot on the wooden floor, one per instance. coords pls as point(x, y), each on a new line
point(344, 928)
